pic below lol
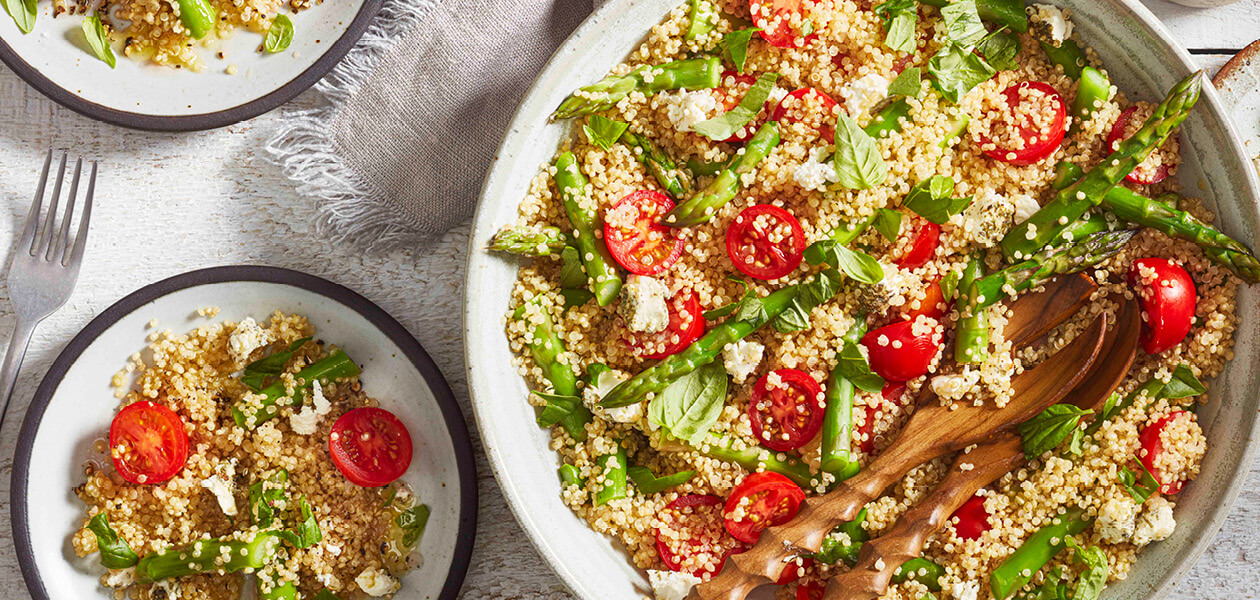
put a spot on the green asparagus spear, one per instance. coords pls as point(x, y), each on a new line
point(546, 347)
point(835, 548)
point(1017, 570)
point(921, 570)
point(1073, 201)
point(1092, 92)
point(722, 189)
point(971, 341)
point(197, 16)
point(209, 556)
point(1070, 257)
point(272, 587)
point(700, 168)
point(701, 352)
point(256, 409)
point(888, 119)
point(605, 280)
point(957, 128)
point(569, 475)
point(691, 74)
point(723, 448)
point(703, 19)
point(659, 164)
point(648, 483)
point(614, 469)
point(529, 241)
point(1069, 56)
point(837, 429)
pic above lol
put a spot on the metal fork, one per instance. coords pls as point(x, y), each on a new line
point(45, 265)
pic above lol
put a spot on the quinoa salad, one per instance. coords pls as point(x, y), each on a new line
point(248, 454)
point(780, 227)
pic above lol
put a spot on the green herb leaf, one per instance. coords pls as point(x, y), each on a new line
point(255, 373)
point(1000, 49)
point(818, 289)
point(1052, 589)
point(558, 407)
point(307, 533)
point(962, 23)
point(1183, 384)
point(752, 310)
point(725, 125)
point(412, 522)
point(1094, 577)
point(956, 71)
point(689, 407)
point(735, 45)
point(949, 284)
point(23, 13)
point(907, 83)
point(1049, 428)
point(575, 297)
point(1141, 485)
point(1074, 442)
point(115, 553)
point(859, 266)
point(703, 19)
point(722, 311)
point(604, 132)
point(572, 274)
point(1109, 406)
point(648, 483)
point(98, 39)
point(857, 160)
point(931, 199)
point(279, 35)
point(888, 223)
point(854, 367)
point(265, 495)
point(900, 18)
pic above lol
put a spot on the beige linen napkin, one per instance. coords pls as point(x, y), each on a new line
point(416, 112)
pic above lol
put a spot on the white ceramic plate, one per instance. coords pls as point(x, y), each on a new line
point(1141, 57)
point(1239, 84)
point(55, 60)
point(75, 404)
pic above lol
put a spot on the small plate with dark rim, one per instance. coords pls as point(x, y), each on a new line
point(54, 59)
point(74, 406)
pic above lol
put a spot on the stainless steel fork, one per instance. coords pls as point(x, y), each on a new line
point(45, 265)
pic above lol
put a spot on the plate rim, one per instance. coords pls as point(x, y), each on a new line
point(203, 121)
point(386, 324)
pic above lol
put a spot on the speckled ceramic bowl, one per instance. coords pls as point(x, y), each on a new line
point(1142, 58)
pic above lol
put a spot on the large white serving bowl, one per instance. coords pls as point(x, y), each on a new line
point(1142, 59)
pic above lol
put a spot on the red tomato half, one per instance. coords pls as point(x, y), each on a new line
point(792, 109)
point(973, 519)
point(1039, 142)
point(774, 17)
point(147, 443)
point(1140, 175)
point(730, 93)
point(761, 500)
point(765, 242)
point(933, 302)
point(692, 534)
point(792, 571)
point(1154, 447)
point(1167, 295)
point(788, 414)
point(370, 446)
point(635, 237)
point(897, 354)
point(810, 591)
point(686, 325)
point(893, 392)
point(923, 246)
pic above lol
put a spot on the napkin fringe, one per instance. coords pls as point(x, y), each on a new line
point(351, 210)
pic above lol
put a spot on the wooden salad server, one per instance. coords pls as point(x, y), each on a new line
point(986, 463)
point(933, 431)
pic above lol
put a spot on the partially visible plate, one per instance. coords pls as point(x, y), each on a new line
point(1239, 84)
point(75, 404)
point(55, 60)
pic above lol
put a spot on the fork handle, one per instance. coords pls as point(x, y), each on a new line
point(22, 332)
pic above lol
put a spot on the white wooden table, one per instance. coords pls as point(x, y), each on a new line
point(171, 203)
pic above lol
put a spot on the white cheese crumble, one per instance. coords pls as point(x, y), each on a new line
point(221, 484)
point(815, 174)
point(955, 385)
point(643, 304)
point(604, 383)
point(741, 358)
point(964, 590)
point(1116, 519)
point(986, 220)
point(685, 108)
point(376, 583)
point(246, 338)
point(864, 93)
point(1155, 523)
point(671, 585)
point(1049, 23)
point(120, 577)
point(1025, 206)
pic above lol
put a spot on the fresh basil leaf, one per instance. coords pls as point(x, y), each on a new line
point(575, 297)
point(648, 483)
point(98, 39)
point(735, 45)
point(854, 367)
point(888, 223)
point(723, 126)
point(1074, 442)
point(255, 373)
point(819, 289)
point(1183, 384)
point(1054, 588)
point(572, 274)
point(1049, 428)
point(412, 522)
point(962, 23)
point(859, 266)
point(931, 199)
point(857, 160)
point(689, 407)
point(949, 284)
point(604, 132)
point(1000, 49)
point(956, 71)
point(1109, 406)
point(1141, 485)
point(729, 309)
point(900, 18)
point(752, 310)
point(264, 495)
point(115, 553)
point(307, 533)
point(279, 35)
point(1094, 577)
point(907, 83)
point(558, 407)
point(23, 13)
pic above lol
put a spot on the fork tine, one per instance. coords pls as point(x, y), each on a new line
point(61, 244)
point(49, 232)
point(80, 240)
point(29, 230)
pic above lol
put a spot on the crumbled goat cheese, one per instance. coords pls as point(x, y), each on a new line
point(1025, 206)
point(864, 93)
point(1050, 24)
point(987, 219)
point(955, 385)
point(221, 484)
point(606, 381)
point(741, 358)
point(120, 577)
point(685, 109)
point(305, 421)
point(376, 583)
point(671, 585)
point(1155, 523)
point(246, 338)
point(643, 304)
point(964, 590)
point(1116, 519)
point(169, 587)
point(814, 174)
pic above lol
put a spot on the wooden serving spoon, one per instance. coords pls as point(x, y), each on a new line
point(933, 431)
point(984, 464)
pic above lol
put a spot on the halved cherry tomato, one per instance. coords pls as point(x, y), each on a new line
point(147, 443)
point(933, 302)
point(761, 500)
point(636, 239)
point(730, 93)
point(923, 246)
point(686, 325)
point(1039, 141)
point(787, 414)
point(894, 392)
point(1144, 174)
point(973, 519)
point(896, 353)
point(692, 532)
point(792, 571)
point(1153, 447)
point(765, 242)
point(792, 109)
point(1168, 297)
point(774, 17)
point(370, 446)
point(810, 591)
